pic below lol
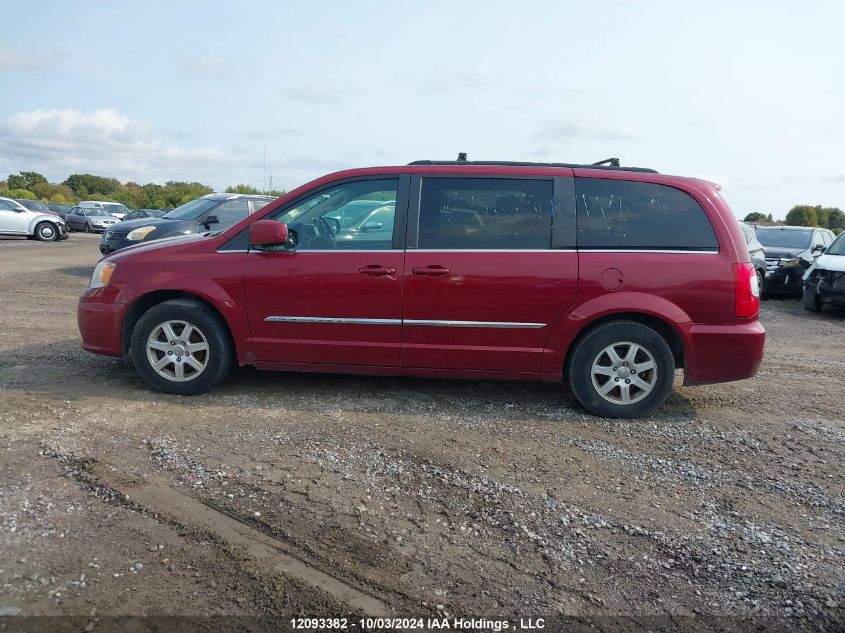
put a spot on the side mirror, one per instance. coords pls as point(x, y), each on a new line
point(268, 233)
point(371, 226)
point(818, 250)
point(212, 219)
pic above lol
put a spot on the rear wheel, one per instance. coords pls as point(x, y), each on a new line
point(761, 278)
point(46, 232)
point(812, 300)
point(621, 370)
point(181, 347)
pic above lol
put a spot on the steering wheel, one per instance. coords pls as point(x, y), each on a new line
point(327, 229)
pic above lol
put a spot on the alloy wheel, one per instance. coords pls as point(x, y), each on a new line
point(177, 351)
point(624, 373)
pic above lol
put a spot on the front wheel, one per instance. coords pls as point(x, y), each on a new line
point(621, 370)
point(46, 232)
point(812, 300)
point(181, 347)
point(86, 228)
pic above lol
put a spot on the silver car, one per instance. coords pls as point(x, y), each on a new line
point(90, 219)
point(17, 220)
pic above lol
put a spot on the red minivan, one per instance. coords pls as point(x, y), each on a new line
point(608, 277)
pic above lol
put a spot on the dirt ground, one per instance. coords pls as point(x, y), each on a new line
point(281, 495)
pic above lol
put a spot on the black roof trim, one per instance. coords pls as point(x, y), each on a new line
point(508, 163)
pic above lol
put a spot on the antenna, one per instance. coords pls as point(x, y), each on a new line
point(264, 173)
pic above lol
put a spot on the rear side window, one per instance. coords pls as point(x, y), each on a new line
point(485, 213)
point(623, 215)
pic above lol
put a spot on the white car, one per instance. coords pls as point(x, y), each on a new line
point(15, 219)
point(114, 208)
point(824, 281)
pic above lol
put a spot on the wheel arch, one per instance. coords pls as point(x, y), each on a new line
point(663, 327)
point(146, 301)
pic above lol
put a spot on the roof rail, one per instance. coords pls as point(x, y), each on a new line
point(612, 164)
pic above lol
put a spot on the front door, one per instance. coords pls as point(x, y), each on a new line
point(484, 286)
point(12, 219)
point(336, 298)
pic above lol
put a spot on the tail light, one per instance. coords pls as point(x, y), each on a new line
point(746, 291)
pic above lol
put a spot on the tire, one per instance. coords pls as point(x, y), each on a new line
point(812, 300)
point(149, 344)
point(46, 232)
point(622, 337)
point(761, 279)
point(87, 228)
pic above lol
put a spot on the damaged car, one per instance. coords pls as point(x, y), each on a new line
point(790, 251)
point(824, 281)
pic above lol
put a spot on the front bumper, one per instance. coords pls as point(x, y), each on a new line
point(110, 245)
point(785, 280)
point(722, 353)
point(99, 324)
point(829, 285)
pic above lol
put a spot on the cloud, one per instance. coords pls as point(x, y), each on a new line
point(567, 129)
point(319, 92)
point(442, 79)
point(60, 142)
point(34, 59)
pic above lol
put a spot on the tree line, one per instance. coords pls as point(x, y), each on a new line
point(807, 215)
point(34, 186)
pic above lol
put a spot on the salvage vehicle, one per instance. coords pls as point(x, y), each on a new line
point(824, 281)
point(790, 250)
point(607, 277)
point(217, 210)
point(17, 220)
point(756, 252)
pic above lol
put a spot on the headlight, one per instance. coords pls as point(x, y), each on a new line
point(102, 275)
point(790, 262)
point(136, 235)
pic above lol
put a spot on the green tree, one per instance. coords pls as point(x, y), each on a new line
point(240, 188)
point(89, 185)
point(756, 216)
point(803, 215)
point(836, 219)
point(16, 181)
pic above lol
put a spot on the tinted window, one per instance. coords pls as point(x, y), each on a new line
point(485, 213)
point(7, 206)
point(838, 246)
point(618, 214)
point(230, 213)
point(259, 204)
point(193, 209)
point(322, 221)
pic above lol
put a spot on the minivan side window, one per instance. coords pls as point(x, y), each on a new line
point(626, 215)
point(485, 213)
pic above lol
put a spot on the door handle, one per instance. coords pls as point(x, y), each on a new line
point(430, 271)
point(377, 271)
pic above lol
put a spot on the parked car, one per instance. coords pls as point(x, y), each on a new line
point(756, 252)
point(114, 208)
point(143, 213)
point(790, 250)
point(59, 209)
point(824, 281)
point(89, 219)
point(17, 220)
point(35, 205)
point(216, 211)
point(610, 278)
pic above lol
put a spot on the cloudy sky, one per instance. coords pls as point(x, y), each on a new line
point(748, 94)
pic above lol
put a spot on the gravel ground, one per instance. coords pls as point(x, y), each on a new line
point(297, 494)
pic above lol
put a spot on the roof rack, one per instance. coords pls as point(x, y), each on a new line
point(610, 164)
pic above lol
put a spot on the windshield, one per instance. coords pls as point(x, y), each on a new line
point(96, 212)
point(192, 210)
point(784, 238)
point(34, 205)
point(838, 246)
point(116, 207)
